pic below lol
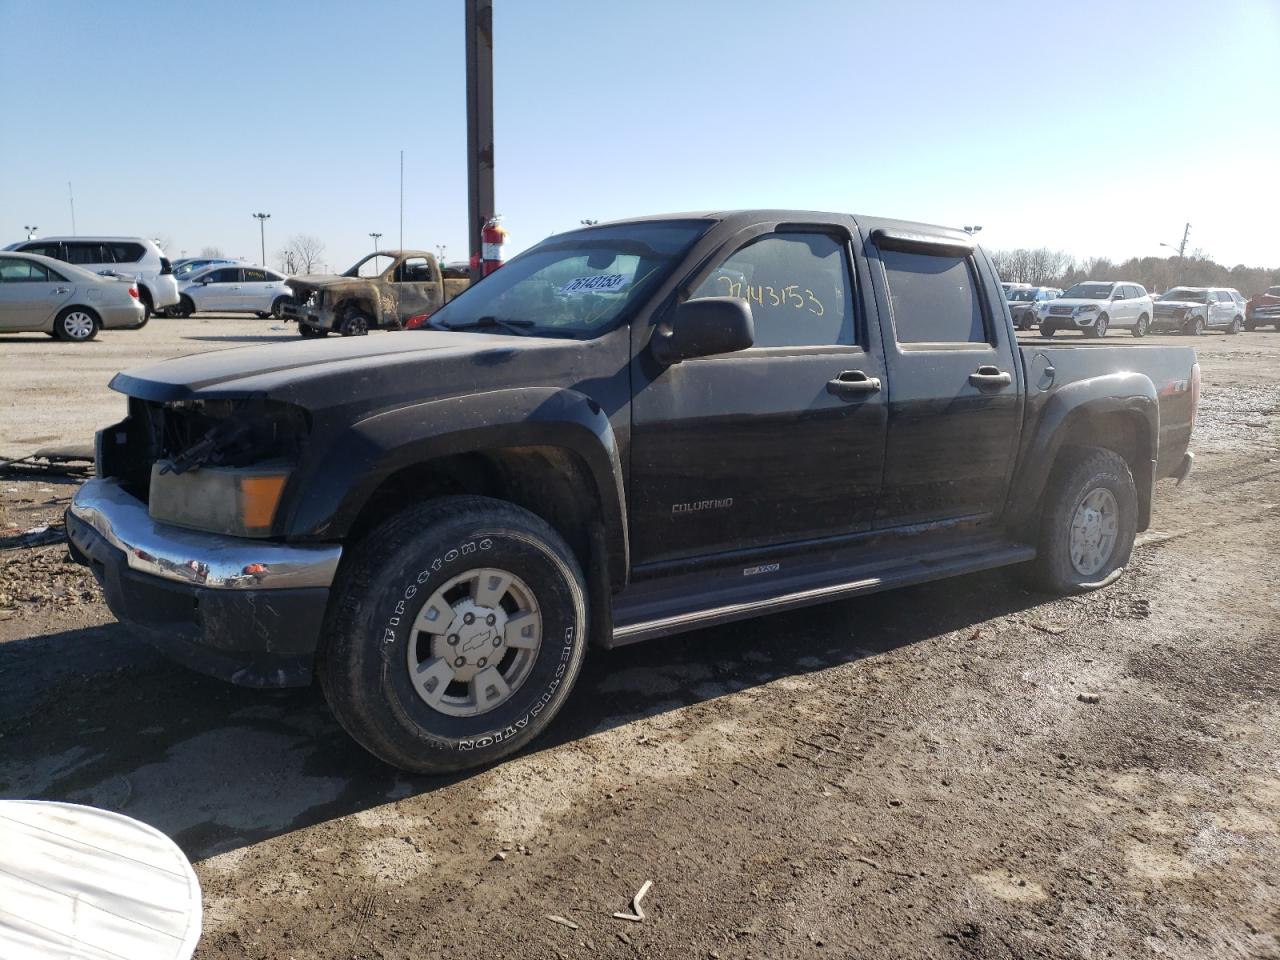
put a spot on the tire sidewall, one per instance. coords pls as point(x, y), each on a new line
point(402, 728)
point(1099, 470)
point(60, 330)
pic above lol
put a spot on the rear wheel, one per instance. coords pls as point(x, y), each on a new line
point(1088, 524)
point(185, 308)
point(76, 323)
point(458, 629)
point(1144, 324)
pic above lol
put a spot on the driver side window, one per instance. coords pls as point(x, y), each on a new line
point(797, 285)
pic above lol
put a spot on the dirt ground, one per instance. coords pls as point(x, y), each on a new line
point(923, 773)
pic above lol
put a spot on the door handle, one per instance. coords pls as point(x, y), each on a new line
point(988, 376)
point(852, 384)
point(61, 290)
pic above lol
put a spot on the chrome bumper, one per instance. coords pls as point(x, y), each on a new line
point(202, 559)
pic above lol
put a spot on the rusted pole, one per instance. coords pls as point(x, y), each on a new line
point(479, 124)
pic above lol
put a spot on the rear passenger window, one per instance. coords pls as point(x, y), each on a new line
point(255, 276)
point(82, 251)
point(934, 299)
point(22, 271)
point(797, 285)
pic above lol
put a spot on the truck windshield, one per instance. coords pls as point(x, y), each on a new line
point(1089, 291)
point(1186, 294)
point(574, 284)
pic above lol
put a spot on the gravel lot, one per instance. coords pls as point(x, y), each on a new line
point(907, 775)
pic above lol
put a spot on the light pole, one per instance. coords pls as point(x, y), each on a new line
point(375, 241)
point(262, 219)
point(588, 223)
point(440, 248)
point(972, 230)
point(31, 231)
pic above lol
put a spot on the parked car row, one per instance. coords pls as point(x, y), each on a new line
point(1094, 307)
point(42, 295)
point(135, 258)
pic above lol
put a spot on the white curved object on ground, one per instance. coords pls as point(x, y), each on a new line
point(77, 882)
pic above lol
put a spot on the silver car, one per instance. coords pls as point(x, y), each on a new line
point(40, 294)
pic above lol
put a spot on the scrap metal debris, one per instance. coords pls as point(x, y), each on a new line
point(71, 460)
point(636, 914)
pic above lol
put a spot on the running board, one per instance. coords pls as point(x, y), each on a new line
point(638, 615)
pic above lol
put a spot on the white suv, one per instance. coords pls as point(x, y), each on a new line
point(1096, 306)
point(134, 257)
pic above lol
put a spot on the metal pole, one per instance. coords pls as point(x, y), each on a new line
point(262, 233)
point(375, 241)
point(72, 196)
point(480, 199)
point(401, 199)
point(1182, 247)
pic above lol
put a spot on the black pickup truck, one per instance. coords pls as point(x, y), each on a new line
point(630, 430)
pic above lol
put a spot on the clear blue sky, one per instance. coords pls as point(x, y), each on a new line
point(1094, 127)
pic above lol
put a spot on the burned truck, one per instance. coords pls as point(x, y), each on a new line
point(387, 290)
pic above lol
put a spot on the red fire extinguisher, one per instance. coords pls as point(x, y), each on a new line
point(492, 237)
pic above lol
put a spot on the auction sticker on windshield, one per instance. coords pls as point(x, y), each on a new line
point(604, 283)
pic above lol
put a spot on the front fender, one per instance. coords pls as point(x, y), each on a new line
point(340, 480)
point(1057, 417)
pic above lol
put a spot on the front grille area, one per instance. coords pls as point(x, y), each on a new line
point(1061, 311)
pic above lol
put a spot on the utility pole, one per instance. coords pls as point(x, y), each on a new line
point(262, 219)
point(401, 199)
point(375, 241)
point(1182, 247)
point(72, 197)
point(480, 199)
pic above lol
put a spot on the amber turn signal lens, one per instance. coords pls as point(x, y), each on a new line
point(258, 499)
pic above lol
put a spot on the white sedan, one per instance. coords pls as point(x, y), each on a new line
point(40, 294)
point(234, 289)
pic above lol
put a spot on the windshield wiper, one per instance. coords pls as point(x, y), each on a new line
point(517, 327)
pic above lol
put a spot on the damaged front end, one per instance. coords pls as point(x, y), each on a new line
point(218, 465)
point(182, 525)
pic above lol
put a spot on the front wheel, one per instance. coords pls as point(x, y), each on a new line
point(354, 324)
point(1197, 327)
point(1099, 328)
point(1144, 325)
point(457, 630)
point(1237, 324)
point(278, 305)
point(1088, 524)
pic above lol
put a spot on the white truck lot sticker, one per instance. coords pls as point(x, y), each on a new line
point(604, 283)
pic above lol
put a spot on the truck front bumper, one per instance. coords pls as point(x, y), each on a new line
point(245, 611)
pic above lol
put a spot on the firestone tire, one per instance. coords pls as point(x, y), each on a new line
point(387, 656)
point(1083, 476)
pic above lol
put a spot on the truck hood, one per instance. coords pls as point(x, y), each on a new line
point(322, 373)
point(319, 281)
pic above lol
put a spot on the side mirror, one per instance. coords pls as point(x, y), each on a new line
point(705, 327)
